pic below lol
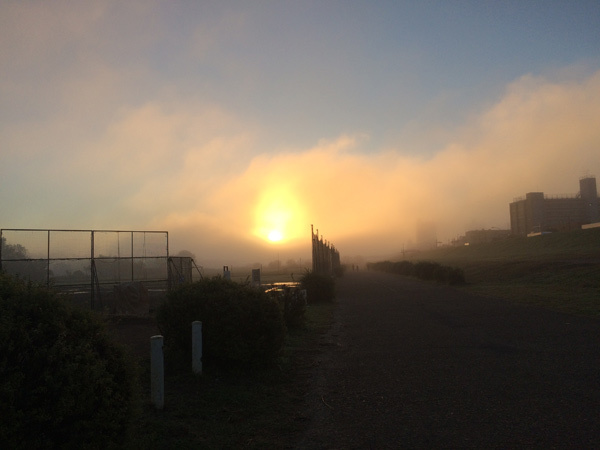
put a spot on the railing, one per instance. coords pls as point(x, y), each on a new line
point(325, 258)
point(104, 266)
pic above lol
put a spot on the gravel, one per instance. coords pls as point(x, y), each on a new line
point(409, 364)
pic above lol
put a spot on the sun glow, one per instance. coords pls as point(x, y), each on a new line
point(275, 236)
point(278, 217)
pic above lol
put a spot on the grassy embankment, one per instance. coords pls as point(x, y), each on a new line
point(559, 271)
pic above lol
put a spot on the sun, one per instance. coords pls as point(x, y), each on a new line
point(279, 218)
point(275, 236)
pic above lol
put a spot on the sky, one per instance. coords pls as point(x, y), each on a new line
point(235, 125)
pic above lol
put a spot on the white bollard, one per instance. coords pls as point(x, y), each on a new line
point(157, 372)
point(256, 277)
point(226, 273)
point(197, 347)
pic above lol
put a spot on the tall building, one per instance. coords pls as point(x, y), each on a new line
point(538, 213)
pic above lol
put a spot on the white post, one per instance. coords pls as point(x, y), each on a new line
point(157, 372)
point(256, 277)
point(197, 347)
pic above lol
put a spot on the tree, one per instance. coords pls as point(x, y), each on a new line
point(14, 251)
point(12, 262)
point(186, 254)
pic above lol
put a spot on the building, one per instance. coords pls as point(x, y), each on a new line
point(537, 213)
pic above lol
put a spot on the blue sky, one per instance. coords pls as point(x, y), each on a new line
point(221, 121)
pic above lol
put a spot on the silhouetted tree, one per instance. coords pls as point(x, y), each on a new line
point(186, 254)
point(14, 251)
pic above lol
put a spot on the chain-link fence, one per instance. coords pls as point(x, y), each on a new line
point(121, 272)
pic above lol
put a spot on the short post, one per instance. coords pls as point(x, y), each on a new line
point(256, 277)
point(157, 372)
point(197, 347)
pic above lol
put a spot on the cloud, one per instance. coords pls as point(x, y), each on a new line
point(540, 136)
point(198, 171)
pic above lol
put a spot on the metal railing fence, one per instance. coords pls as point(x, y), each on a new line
point(325, 257)
point(88, 263)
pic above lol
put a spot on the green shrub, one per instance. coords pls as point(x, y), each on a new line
point(456, 276)
point(405, 268)
point(63, 383)
point(292, 302)
point(426, 270)
point(240, 324)
point(319, 288)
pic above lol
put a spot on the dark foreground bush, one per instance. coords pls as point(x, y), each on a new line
point(292, 302)
point(63, 384)
point(240, 324)
point(319, 288)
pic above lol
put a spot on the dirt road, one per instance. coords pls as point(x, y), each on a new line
point(416, 365)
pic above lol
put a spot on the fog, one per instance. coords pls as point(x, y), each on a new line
point(540, 136)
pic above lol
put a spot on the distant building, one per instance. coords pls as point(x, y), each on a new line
point(537, 213)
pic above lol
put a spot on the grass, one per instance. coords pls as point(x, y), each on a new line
point(560, 271)
point(251, 409)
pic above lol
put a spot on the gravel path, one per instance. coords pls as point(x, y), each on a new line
point(415, 365)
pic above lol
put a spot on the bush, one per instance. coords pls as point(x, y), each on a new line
point(319, 288)
point(63, 383)
point(292, 302)
point(456, 276)
point(240, 324)
point(426, 270)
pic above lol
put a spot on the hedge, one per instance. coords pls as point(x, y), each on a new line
point(241, 325)
point(63, 382)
